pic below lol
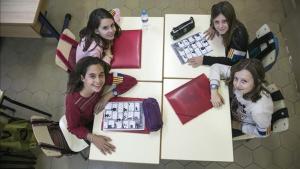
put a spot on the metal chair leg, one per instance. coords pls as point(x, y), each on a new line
point(66, 21)
point(26, 106)
point(6, 107)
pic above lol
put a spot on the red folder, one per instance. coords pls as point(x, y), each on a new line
point(124, 99)
point(191, 99)
point(127, 50)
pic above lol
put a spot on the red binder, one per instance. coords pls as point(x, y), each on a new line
point(191, 99)
point(127, 50)
point(120, 99)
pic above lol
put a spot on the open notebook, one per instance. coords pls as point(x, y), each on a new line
point(127, 49)
point(191, 99)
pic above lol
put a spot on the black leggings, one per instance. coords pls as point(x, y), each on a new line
point(236, 132)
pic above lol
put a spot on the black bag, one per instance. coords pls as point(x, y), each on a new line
point(183, 28)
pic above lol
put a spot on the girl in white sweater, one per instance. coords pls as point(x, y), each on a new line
point(251, 104)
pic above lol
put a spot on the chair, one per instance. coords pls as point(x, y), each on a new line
point(264, 47)
point(47, 29)
point(49, 137)
point(280, 117)
point(66, 51)
point(6, 98)
point(73, 141)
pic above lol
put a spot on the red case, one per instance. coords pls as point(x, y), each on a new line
point(120, 99)
point(127, 50)
point(191, 99)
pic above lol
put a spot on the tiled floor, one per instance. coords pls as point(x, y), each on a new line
point(29, 74)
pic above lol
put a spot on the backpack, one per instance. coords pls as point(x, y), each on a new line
point(17, 135)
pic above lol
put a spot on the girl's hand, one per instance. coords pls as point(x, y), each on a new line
point(102, 143)
point(210, 33)
point(195, 61)
point(102, 102)
point(216, 99)
point(108, 50)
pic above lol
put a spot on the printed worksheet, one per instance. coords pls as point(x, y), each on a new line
point(127, 115)
point(192, 46)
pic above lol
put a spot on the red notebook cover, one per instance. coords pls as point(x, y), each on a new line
point(120, 99)
point(191, 99)
point(127, 50)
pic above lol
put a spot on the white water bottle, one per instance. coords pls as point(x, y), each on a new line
point(145, 19)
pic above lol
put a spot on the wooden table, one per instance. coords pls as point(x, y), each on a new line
point(131, 147)
point(172, 66)
point(205, 138)
point(208, 136)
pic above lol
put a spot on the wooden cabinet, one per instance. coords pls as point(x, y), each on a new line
point(19, 18)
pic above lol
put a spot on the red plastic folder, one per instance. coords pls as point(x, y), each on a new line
point(191, 99)
point(124, 99)
point(127, 50)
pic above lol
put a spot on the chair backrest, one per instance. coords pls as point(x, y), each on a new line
point(280, 116)
point(66, 51)
point(49, 137)
point(264, 47)
point(74, 142)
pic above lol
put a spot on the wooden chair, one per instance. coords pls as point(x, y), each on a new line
point(66, 51)
point(49, 137)
point(264, 47)
point(73, 141)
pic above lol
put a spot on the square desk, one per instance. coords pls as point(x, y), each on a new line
point(19, 18)
point(131, 147)
point(152, 48)
point(205, 138)
point(172, 66)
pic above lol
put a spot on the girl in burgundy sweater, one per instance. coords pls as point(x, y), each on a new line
point(85, 96)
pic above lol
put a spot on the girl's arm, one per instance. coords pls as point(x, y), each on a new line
point(237, 49)
point(73, 119)
point(108, 56)
point(102, 143)
point(121, 82)
point(216, 72)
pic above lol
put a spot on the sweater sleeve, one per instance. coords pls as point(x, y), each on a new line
point(121, 83)
point(73, 119)
point(262, 116)
point(218, 72)
point(236, 50)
